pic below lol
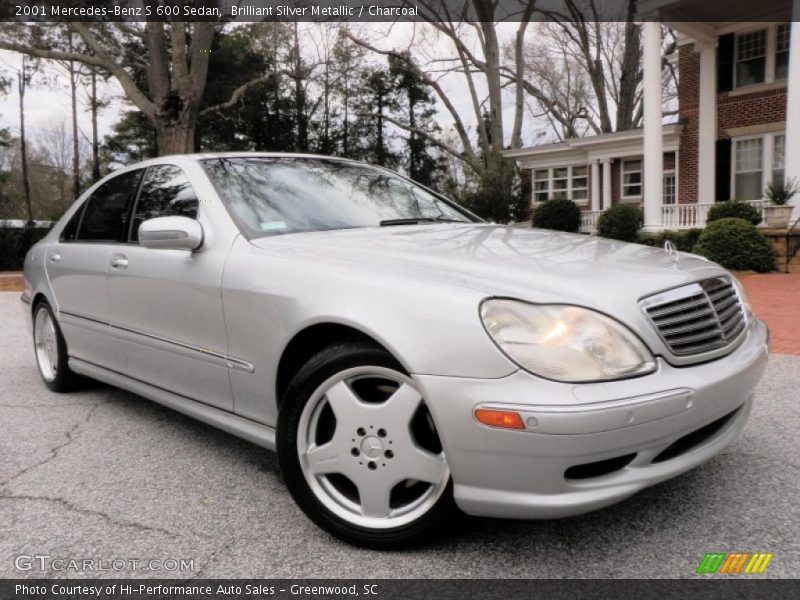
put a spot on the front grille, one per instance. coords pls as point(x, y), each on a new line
point(698, 317)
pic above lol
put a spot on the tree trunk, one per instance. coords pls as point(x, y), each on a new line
point(176, 137)
point(95, 140)
point(23, 146)
point(76, 159)
point(631, 74)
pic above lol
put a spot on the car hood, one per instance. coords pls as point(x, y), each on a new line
point(533, 264)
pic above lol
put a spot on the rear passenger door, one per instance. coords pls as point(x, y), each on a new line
point(77, 263)
point(166, 304)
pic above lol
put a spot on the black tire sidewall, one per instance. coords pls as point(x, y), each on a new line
point(321, 367)
point(64, 379)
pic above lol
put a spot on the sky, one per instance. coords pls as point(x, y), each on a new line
point(47, 101)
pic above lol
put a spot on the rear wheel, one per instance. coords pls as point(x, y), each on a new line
point(359, 450)
point(51, 350)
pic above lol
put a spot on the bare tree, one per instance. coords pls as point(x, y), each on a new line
point(161, 67)
point(55, 148)
point(482, 69)
point(24, 75)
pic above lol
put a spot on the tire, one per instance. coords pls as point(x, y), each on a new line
point(50, 350)
point(353, 438)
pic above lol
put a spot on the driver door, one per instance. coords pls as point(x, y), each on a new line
point(166, 304)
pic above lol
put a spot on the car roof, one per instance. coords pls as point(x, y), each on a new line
point(209, 155)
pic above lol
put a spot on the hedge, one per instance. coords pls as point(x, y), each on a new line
point(620, 222)
point(683, 240)
point(736, 244)
point(14, 244)
point(559, 215)
point(734, 209)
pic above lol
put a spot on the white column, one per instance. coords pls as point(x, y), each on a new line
point(653, 134)
point(606, 183)
point(793, 107)
point(707, 125)
point(595, 185)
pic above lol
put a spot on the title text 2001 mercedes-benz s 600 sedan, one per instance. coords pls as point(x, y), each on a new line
point(402, 356)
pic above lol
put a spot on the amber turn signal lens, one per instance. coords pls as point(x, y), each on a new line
point(499, 418)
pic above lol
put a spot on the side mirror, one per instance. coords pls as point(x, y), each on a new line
point(171, 233)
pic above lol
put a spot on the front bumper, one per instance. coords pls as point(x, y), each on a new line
point(522, 474)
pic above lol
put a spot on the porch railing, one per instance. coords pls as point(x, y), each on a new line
point(691, 216)
point(589, 220)
point(674, 216)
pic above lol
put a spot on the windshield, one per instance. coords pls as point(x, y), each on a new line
point(272, 196)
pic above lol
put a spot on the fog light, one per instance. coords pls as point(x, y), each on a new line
point(499, 418)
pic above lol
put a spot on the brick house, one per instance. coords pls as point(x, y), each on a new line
point(738, 123)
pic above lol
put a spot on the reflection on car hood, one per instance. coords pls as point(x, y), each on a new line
point(499, 260)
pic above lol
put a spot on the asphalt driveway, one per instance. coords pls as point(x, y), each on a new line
point(102, 474)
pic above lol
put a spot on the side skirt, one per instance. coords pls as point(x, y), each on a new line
point(246, 429)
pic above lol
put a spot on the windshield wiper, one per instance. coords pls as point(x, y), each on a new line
point(415, 220)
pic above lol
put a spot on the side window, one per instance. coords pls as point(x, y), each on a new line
point(70, 231)
point(106, 213)
point(166, 192)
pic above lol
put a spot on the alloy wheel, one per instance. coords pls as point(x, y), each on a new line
point(368, 448)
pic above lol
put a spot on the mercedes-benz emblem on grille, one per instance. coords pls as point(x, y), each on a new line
point(671, 251)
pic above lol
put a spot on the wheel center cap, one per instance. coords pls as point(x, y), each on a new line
point(371, 447)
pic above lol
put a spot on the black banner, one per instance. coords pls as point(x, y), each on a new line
point(439, 589)
point(55, 11)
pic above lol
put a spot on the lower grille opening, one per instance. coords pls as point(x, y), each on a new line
point(693, 439)
point(600, 468)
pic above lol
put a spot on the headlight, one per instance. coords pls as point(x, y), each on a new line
point(565, 343)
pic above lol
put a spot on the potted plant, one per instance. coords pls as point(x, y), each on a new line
point(779, 193)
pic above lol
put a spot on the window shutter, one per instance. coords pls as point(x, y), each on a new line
point(725, 62)
point(723, 178)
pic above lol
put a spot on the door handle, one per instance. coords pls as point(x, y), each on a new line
point(119, 262)
point(55, 257)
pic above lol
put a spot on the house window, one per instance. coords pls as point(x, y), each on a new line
point(669, 191)
point(778, 157)
point(751, 57)
point(541, 185)
point(782, 51)
point(561, 183)
point(749, 165)
point(632, 178)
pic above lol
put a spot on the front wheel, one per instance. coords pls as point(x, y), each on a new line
point(359, 450)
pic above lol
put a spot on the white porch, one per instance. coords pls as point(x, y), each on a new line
point(674, 216)
point(695, 20)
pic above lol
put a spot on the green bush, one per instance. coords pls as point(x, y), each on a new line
point(683, 240)
point(736, 244)
point(559, 215)
point(620, 222)
point(15, 242)
point(734, 209)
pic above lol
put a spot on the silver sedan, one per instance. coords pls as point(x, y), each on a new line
point(403, 357)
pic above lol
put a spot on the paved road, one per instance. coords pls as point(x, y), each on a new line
point(104, 474)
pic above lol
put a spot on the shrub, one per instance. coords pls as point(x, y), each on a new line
point(560, 215)
point(734, 209)
point(683, 240)
point(736, 244)
point(14, 244)
point(620, 222)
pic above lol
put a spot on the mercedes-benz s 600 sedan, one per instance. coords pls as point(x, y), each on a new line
point(403, 357)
